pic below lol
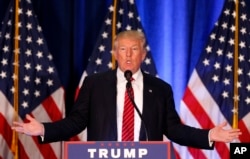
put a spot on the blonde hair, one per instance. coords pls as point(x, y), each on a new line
point(134, 34)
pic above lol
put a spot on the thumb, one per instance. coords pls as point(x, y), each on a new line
point(223, 124)
point(29, 118)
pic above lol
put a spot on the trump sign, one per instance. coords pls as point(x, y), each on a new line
point(116, 150)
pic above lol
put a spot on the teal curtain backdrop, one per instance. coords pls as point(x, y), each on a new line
point(177, 32)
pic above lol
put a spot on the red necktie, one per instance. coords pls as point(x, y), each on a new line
point(128, 117)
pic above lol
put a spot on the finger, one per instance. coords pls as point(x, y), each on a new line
point(235, 132)
point(230, 138)
point(15, 123)
point(18, 129)
point(234, 136)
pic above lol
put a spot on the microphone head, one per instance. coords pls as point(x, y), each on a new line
point(128, 75)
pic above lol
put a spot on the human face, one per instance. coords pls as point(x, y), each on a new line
point(129, 54)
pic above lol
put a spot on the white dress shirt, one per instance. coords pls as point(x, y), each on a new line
point(137, 85)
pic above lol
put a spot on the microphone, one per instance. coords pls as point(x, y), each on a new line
point(128, 76)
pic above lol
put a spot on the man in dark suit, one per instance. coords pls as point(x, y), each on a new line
point(99, 106)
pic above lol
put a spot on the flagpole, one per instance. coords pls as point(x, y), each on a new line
point(114, 30)
point(236, 55)
point(14, 146)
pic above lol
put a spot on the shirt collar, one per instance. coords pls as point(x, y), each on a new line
point(120, 75)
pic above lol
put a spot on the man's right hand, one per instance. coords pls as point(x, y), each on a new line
point(32, 128)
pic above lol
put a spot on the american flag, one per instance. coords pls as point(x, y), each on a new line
point(39, 90)
point(127, 18)
point(209, 97)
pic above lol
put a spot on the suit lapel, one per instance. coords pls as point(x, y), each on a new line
point(148, 95)
point(148, 99)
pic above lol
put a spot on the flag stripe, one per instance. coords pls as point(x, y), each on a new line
point(197, 109)
point(196, 153)
point(45, 149)
point(209, 105)
point(51, 108)
point(244, 126)
point(22, 152)
point(4, 150)
point(5, 130)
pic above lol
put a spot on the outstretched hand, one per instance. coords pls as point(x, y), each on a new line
point(219, 134)
point(32, 128)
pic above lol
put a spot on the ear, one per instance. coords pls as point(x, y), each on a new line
point(144, 54)
point(114, 54)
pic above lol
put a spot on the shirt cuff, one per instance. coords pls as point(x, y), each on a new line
point(43, 132)
point(209, 140)
point(42, 138)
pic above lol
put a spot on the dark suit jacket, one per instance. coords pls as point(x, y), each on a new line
point(95, 109)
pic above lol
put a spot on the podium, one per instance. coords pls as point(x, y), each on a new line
point(117, 150)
